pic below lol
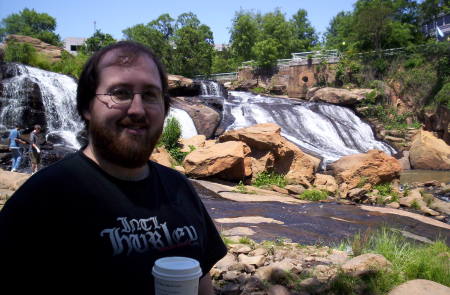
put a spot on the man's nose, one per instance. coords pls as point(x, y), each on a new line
point(136, 106)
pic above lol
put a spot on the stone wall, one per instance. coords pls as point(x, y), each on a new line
point(295, 80)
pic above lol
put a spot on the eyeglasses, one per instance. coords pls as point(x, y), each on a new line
point(124, 97)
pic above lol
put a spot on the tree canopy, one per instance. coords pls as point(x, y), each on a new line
point(28, 22)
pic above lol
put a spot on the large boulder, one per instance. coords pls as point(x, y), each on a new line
point(224, 160)
point(420, 287)
point(194, 142)
point(51, 51)
point(373, 167)
point(206, 119)
point(182, 86)
point(271, 151)
point(429, 152)
point(365, 264)
point(161, 156)
point(338, 96)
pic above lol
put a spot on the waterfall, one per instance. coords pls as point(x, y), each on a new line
point(211, 88)
point(58, 98)
point(321, 129)
point(187, 125)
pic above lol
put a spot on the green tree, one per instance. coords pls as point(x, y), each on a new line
point(244, 35)
point(266, 53)
point(223, 62)
point(339, 32)
point(28, 22)
point(275, 27)
point(304, 33)
point(97, 41)
point(430, 9)
point(193, 44)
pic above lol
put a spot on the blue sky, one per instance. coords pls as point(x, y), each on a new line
point(75, 18)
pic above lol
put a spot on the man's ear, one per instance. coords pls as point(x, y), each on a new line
point(87, 114)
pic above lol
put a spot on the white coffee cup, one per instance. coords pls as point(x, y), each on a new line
point(176, 275)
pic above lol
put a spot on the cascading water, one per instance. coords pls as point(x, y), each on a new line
point(58, 98)
point(210, 88)
point(320, 129)
point(187, 125)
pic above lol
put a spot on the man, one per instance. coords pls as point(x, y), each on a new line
point(35, 151)
point(15, 148)
point(98, 219)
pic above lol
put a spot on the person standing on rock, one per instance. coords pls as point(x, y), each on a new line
point(35, 151)
point(96, 221)
point(15, 148)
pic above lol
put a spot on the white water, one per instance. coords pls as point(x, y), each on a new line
point(210, 88)
point(187, 125)
point(58, 97)
point(321, 129)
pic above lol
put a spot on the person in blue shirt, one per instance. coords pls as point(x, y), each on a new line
point(15, 148)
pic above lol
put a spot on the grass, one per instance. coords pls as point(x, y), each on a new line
point(242, 189)
point(410, 260)
point(265, 179)
point(313, 195)
point(415, 205)
point(245, 240)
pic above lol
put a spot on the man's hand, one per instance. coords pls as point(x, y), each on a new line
point(205, 286)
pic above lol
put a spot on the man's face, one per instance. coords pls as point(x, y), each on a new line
point(125, 136)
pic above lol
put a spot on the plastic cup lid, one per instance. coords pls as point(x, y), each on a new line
point(177, 268)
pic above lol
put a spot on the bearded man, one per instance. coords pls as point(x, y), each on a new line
point(96, 221)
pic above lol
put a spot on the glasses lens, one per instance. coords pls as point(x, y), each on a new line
point(121, 96)
point(151, 98)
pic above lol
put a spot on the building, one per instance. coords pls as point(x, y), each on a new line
point(73, 44)
point(221, 47)
point(443, 23)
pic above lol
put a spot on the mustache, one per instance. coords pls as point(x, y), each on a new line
point(139, 122)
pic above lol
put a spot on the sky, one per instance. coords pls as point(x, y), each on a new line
point(75, 18)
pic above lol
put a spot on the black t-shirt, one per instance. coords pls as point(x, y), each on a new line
point(73, 228)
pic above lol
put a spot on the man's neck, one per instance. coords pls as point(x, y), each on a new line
point(124, 173)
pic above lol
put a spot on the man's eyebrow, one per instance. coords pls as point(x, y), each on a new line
point(127, 85)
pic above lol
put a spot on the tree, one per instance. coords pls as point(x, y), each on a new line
point(430, 9)
point(97, 41)
point(339, 32)
point(244, 34)
point(28, 22)
point(303, 32)
point(266, 53)
point(274, 26)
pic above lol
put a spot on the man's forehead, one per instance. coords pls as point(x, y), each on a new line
point(121, 58)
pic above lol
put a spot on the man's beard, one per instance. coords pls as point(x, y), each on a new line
point(121, 148)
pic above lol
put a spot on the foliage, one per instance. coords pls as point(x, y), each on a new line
point(70, 64)
point(304, 33)
point(20, 52)
point(169, 139)
point(385, 189)
point(223, 62)
point(266, 53)
point(28, 22)
point(245, 240)
point(269, 178)
point(244, 34)
point(313, 195)
point(443, 96)
point(96, 42)
point(415, 205)
point(242, 189)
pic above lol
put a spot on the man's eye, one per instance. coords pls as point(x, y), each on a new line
point(151, 97)
point(121, 94)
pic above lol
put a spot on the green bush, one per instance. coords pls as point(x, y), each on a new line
point(443, 96)
point(313, 195)
point(269, 178)
point(71, 65)
point(20, 52)
point(169, 140)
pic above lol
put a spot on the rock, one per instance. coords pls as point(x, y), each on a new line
point(180, 169)
point(12, 180)
point(252, 284)
point(231, 289)
point(394, 205)
point(225, 160)
point(161, 156)
point(259, 251)
point(420, 287)
point(278, 290)
point(404, 161)
point(255, 260)
point(429, 152)
point(279, 189)
point(357, 193)
point(325, 182)
point(197, 141)
point(270, 151)
point(182, 86)
point(440, 206)
point(338, 96)
point(294, 189)
point(205, 118)
point(240, 249)
point(364, 264)
point(324, 273)
point(239, 231)
point(224, 263)
point(374, 167)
